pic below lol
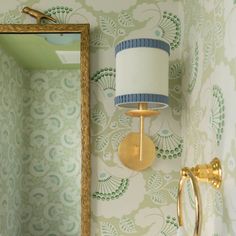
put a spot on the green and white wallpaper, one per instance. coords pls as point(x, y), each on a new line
point(11, 144)
point(124, 202)
point(198, 125)
point(51, 163)
point(208, 115)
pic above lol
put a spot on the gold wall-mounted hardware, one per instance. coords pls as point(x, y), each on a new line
point(37, 14)
point(209, 173)
point(135, 146)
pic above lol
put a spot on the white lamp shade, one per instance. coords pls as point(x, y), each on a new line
point(142, 69)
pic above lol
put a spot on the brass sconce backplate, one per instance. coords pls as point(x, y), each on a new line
point(129, 152)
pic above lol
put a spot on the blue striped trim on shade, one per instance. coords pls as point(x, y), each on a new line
point(143, 42)
point(131, 100)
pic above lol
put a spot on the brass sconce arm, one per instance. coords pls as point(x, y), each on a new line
point(142, 112)
point(137, 151)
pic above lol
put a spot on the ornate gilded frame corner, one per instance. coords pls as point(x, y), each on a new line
point(85, 101)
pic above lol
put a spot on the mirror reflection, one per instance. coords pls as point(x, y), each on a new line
point(40, 137)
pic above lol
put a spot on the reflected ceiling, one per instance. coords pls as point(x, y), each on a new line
point(43, 51)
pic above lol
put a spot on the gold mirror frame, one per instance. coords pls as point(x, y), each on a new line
point(83, 29)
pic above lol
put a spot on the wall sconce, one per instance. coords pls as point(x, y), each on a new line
point(142, 69)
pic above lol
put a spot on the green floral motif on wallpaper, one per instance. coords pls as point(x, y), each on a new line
point(106, 80)
point(170, 29)
point(161, 189)
point(217, 113)
point(170, 226)
point(108, 131)
point(110, 187)
point(146, 219)
point(111, 29)
point(175, 70)
point(168, 144)
point(60, 13)
point(108, 229)
point(194, 69)
point(127, 225)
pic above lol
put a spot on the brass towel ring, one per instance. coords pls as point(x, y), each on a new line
point(210, 173)
point(187, 173)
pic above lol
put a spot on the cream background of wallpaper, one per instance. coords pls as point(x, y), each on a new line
point(129, 203)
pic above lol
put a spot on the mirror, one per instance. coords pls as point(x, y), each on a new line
point(44, 135)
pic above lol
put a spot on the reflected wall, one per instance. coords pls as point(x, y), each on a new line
point(40, 150)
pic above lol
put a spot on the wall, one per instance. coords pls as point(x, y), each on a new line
point(209, 117)
point(124, 202)
point(51, 164)
point(11, 144)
